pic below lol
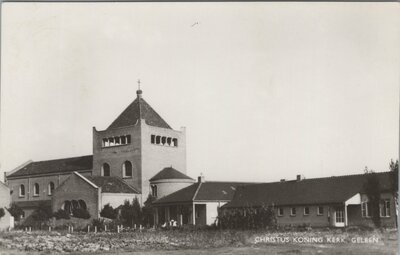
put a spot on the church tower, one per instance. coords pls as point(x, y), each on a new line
point(137, 145)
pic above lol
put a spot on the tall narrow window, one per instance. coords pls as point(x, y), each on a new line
point(36, 190)
point(22, 190)
point(50, 188)
point(365, 209)
point(128, 139)
point(163, 140)
point(158, 139)
point(123, 139)
point(105, 170)
point(154, 190)
point(385, 208)
point(175, 142)
point(293, 211)
point(153, 139)
point(127, 169)
point(306, 210)
point(280, 211)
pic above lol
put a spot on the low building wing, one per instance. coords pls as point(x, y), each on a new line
point(112, 184)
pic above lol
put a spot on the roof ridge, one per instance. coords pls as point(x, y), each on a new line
point(122, 180)
point(91, 155)
point(197, 191)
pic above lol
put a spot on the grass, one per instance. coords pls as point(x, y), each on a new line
point(203, 242)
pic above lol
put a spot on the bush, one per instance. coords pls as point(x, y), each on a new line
point(147, 211)
point(109, 212)
point(2, 213)
point(16, 211)
point(247, 218)
point(80, 213)
point(131, 214)
point(61, 214)
point(42, 213)
point(99, 223)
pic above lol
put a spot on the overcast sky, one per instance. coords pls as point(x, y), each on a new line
point(265, 90)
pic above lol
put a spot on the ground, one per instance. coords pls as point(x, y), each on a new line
point(201, 242)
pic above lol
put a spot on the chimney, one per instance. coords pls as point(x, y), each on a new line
point(200, 179)
point(299, 177)
point(283, 180)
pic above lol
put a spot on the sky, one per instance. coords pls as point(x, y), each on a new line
point(266, 91)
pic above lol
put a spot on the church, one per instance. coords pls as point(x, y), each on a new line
point(136, 146)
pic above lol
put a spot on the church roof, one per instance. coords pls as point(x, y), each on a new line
point(139, 109)
point(169, 173)
point(328, 190)
point(57, 166)
point(112, 184)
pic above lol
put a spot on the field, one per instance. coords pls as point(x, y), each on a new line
point(327, 241)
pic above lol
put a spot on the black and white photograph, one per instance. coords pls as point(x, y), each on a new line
point(199, 127)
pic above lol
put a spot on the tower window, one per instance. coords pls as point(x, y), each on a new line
point(116, 141)
point(158, 139)
point(105, 170)
point(163, 140)
point(22, 190)
point(154, 190)
point(175, 142)
point(127, 169)
point(50, 188)
point(153, 139)
point(36, 190)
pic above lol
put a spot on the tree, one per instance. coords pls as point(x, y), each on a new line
point(108, 212)
point(42, 213)
point(372, 190)
point(147, 211)
point(131, 214)
point(16, 211)
point(2, 213)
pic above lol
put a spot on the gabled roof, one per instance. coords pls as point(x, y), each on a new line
point(169, 173)
point(112, 184)
point(330, 190)
point(137, 110)
point(204, 191)
point(63, 165)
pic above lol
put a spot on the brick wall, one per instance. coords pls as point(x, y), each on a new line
point(157, 157)
point(75, 188)
point(115, 156)
point(313, 219)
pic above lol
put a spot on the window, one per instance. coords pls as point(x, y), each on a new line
point(36, 190)
point(154, 190)
point(339, 216)
point(22, 190)
point(153, 139)
point(50, 188)
point(116, 141)
point(127, 169)
point(365, 209)
point(306, 210)
point(175, 142)
point(320, 210)
point(105, 170)
point(384, 208)
point(158, 139)
point(280, 211)
point(293, 211)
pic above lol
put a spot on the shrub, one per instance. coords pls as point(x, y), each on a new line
point(16, 211)
point(247, 218)
point(80, 213)
point(42, 213)
point(131, 213)
point(61, 214)
point(109, 212)
point(2, 213)
point(99, 223)
point(147, 211)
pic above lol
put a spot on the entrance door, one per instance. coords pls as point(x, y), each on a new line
point(339, 217)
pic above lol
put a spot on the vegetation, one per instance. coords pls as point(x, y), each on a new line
point(131, 214)
point(247, 218)
point(16, 211)
point(372, 190)
point(394, 169)
point(42, 213)
point(109, 212)
point(2, 213)
point(80, 213)
point(61, 214)
point(147, 211)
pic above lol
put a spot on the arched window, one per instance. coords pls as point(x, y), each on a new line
point(154, 190)
point(105, 170)
point(127, 169)
point(50, 188)
point(82, 204)
point(36, 189)
point(75, 204)
point(22, 190)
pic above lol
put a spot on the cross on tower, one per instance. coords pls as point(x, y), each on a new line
point(138, 81)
